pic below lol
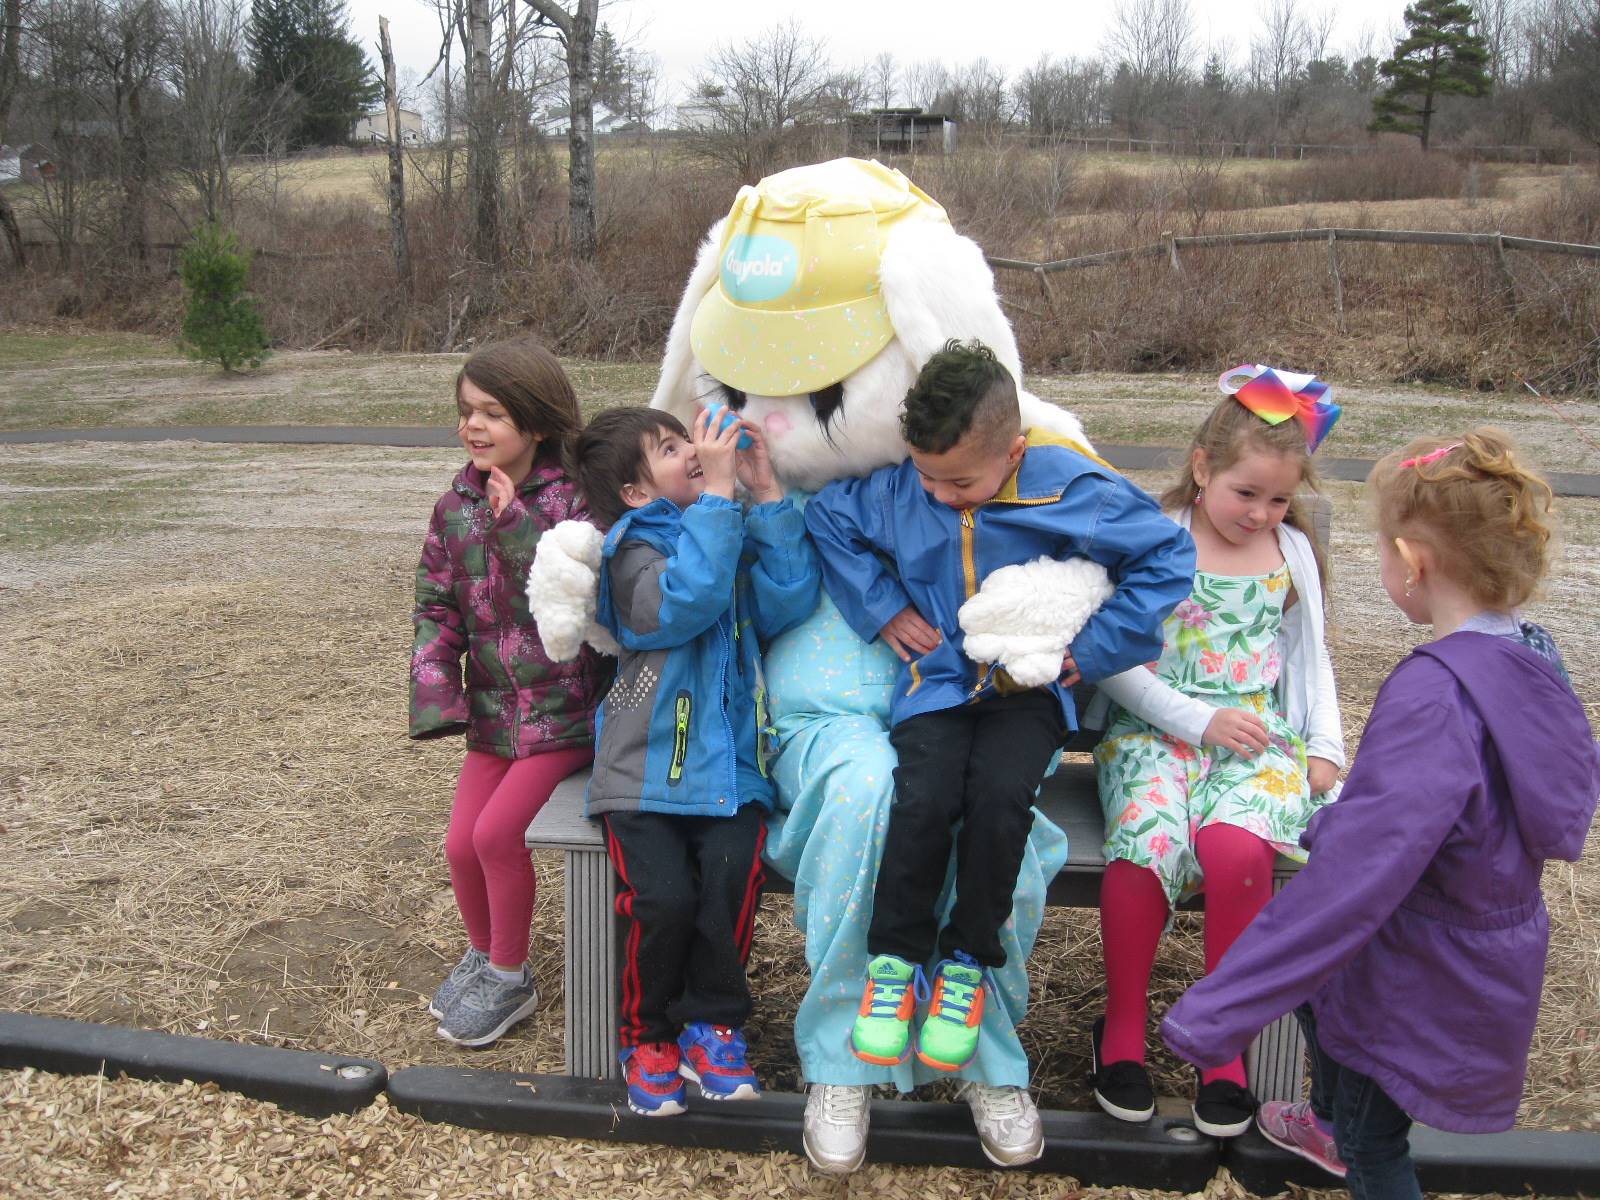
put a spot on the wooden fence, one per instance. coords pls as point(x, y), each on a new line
point(1170, 247)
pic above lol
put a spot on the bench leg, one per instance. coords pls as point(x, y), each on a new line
point(1275, 1063)
point(590, 975)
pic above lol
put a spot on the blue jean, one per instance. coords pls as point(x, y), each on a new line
point(1369, 1128)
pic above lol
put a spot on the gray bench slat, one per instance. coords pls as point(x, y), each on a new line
point(1274, 1063)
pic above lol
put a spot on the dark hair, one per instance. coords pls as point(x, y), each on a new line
point(1231, 430)
point(529, 384)
point(609, 453)
point(963, 388)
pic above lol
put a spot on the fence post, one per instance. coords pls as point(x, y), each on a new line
point(1044, 286)
point(1338, 283)
point(1172, 249)
point(1507, 280)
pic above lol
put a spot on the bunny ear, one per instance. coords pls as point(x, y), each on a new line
point(675, 390)
point(937, 287)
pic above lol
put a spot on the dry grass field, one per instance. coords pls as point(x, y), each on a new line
point(213, 823)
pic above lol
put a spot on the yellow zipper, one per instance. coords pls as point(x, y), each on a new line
point(969, 565)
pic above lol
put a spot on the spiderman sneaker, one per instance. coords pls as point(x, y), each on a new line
point(655, 1089)
point(882, 1030)
point(713, 1057)
point(948, 1038)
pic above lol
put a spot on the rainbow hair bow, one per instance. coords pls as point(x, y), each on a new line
point(1275, 396)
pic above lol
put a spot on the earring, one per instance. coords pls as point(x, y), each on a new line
point(1199, 496)
point(1411, 584)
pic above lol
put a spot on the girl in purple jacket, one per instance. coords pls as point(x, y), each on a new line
point(528, 720)
point(1414, 942)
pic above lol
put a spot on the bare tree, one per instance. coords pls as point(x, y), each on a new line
point(576, 28)
point(923, 82)
point(483, 140)
point(1151, 44)
point(1277, 58)
point(883, 79)
point(758, 96)
point(10, 79)
point(398, 242)
point(216, 108)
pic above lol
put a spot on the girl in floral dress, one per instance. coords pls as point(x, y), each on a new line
point(1216, 756)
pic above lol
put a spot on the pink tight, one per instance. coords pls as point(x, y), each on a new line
point(489, 865)
point(1237, 866)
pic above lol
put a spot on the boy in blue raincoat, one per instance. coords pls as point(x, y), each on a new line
point(902, 550)
point(691, 584)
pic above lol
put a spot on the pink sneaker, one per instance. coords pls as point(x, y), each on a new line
point(1292, 1127)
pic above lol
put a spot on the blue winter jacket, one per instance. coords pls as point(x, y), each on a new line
point(690, 595)
point(1060, 503)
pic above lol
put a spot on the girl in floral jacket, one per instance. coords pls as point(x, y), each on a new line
point(528, 720)
point(1217, 755)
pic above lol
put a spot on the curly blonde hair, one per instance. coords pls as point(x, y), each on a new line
point(1488, 517)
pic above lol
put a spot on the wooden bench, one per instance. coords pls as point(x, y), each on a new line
point(1069, 798)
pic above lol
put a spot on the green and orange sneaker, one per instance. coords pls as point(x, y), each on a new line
point(882, 1030)
point(948, 1038)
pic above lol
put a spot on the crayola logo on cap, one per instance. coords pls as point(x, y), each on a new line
point(759, 267)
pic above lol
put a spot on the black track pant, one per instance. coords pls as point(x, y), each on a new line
point(977, 765)
point(690, 887)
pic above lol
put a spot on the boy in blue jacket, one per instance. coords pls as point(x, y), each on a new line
point(690, 584)
point(901, 551)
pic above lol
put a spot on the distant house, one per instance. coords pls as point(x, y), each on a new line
point(557, 121)
point(902, 131)
point(25, 164)
point(373, 127)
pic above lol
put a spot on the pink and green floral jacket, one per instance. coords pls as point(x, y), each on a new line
point(472, 600)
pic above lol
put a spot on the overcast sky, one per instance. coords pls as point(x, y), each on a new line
point(1010, 33)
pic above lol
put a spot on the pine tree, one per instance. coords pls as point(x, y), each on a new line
point(220, 322)
point(1440, 55)
point(304, 48)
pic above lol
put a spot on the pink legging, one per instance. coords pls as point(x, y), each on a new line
point(489, 865)
point(1237, 866)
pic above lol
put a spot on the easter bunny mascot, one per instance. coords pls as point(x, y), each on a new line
point(809, 312)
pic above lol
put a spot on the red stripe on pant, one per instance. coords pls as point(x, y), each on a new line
point(752, 897)
point(628, 1032)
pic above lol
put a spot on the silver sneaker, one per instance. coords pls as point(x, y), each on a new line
point(836, 1126)
point(487, 1007)
point(473, 961)
point(1009, 1129)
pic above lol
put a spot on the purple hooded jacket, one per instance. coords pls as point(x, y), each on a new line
point(472, 599)
point(1417, 930)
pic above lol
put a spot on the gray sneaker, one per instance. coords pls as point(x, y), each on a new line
point(471, 963)
point(835, 1129)
point(1009, 1129)
point(487, 1007)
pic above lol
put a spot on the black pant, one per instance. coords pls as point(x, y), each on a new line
point(690, 887)
point(977, 765)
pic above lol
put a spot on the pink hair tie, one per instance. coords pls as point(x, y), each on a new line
point(1432, 456)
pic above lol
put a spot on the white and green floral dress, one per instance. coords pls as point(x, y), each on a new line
point(1158, 792)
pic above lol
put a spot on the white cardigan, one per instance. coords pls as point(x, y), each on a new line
point(1306, 693)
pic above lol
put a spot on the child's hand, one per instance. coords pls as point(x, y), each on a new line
point(755, 468)
point(1234, 729)
point(1320, 774)
point(1069, 671)
point(501, 490)
point(908, 635)
point(716, 450)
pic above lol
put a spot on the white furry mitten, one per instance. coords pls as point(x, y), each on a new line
point(1025, 616)
point(563, 586)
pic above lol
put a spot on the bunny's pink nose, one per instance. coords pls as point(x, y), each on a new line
point(777, 424)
